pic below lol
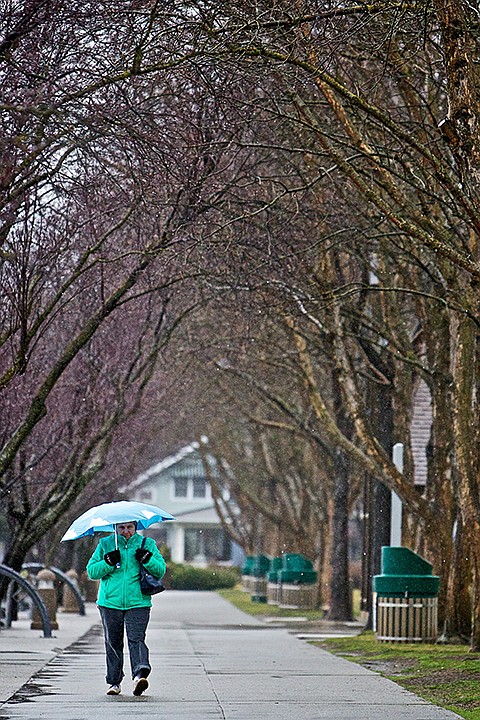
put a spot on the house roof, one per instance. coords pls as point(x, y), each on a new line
point(206, 515)
point(164, 464)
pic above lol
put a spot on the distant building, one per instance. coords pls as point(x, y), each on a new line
point(178, 484)
point(420, 431)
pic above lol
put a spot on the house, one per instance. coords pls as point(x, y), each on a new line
point(420, 430)
point(179, 485)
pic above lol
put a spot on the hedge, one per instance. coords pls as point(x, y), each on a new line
point(187, 577)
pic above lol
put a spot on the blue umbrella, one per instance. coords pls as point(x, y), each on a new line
point(103, 518)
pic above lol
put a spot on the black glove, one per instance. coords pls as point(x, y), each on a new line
point(112, 557)
point(142, 555)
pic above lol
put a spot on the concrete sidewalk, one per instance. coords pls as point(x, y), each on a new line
point(209, 661)
point(23, 651)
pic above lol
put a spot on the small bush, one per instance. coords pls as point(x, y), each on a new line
point(165, 550)
point(187, 577)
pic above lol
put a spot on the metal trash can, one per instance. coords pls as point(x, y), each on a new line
point(298, 582)
point(298, 596)
point(405, 598)
point(246, 573)
point(273, 584)
point(258, 580)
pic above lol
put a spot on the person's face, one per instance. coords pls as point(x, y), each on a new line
point(126, 530)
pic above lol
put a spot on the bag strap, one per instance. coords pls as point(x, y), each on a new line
point(143, 542)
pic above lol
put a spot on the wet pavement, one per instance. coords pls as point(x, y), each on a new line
point(209, 661)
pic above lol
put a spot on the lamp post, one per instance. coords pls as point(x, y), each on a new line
point(396, 505)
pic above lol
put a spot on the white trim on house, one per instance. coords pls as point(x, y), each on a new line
point(197, 534)
point(164, 465)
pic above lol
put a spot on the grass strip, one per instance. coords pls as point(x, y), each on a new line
point(446, 675)
point(242, 600)
point(443, 674)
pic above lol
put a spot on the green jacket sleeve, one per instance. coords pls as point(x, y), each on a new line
point(156, 565)
point(97, 568)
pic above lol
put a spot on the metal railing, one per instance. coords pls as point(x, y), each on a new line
point(17, 579)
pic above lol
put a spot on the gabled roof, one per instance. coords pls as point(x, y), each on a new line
point(164, 464)
point(207, 515)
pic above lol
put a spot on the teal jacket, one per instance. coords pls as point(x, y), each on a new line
point(120, 587)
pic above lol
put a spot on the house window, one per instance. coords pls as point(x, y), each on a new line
point(145, 495)
point(211, 544)
point(199, 488)
point(180, 487)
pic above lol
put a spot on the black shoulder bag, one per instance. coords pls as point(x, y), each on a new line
point(149, 584)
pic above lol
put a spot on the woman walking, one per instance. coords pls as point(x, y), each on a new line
point(122, 606)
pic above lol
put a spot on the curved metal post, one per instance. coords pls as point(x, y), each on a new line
point(30, 590)
point(9, 602)
point(64, 578)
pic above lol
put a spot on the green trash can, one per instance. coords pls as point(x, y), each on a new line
point(258, 580)
point(297, 569)
point(405, 598)
point(273, 583)
point(298, 581)
point(246, 573)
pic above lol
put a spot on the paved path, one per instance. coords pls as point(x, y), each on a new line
point(210, 661)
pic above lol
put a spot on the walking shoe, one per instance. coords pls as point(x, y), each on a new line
point(140, 684)
point(114, 690)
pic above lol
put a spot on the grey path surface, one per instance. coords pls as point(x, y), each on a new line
point(24, 652)
point(211, 661)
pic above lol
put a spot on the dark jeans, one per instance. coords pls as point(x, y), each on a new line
point(135, 622)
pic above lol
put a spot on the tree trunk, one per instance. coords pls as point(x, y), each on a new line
point(461, 128)
point(465, 423)
point(340, 594)
point(458, 597)
point(366, 597)
point(381, 419)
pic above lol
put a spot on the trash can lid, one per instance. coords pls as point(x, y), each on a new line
point(401, 585)
point(402, 561)
point(405, 573)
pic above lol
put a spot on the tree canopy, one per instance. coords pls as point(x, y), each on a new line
point(274, 205)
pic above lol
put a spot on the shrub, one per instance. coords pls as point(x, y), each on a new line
point(165, 550)
point(187, 577)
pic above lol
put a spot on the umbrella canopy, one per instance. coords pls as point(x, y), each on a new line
point(103, 518)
